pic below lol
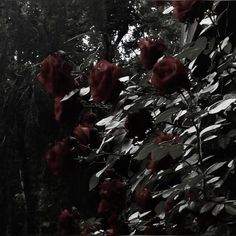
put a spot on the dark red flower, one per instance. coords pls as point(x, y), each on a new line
point(104, 82)
point(169, 204)
point(86, 136)
point(112, 231)
point(189, 9)
point(58, 155)
point(151, 50)
point(169, 75)
point(65, 220)
point(111, 189)
point(55, 75)
point(137, 123)
point(163, 164)
point(143, 198)
point(104, 207)
point(163, 137)
point(88, 119)
point(68, 110)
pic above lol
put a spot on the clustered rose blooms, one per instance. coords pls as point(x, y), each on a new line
point(169, 75)
point(58, 155)
point(166, 161)
point(68, 110)
point(143, 198)
point(112, 193)
point(104, 82)
point(151, 50)
point(189, 9)
point(137, 123)
point(55, 75)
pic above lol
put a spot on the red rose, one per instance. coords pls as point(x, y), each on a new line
point(68, 110)
point(55, 75)
point(111, 189)
point(65, 220)
point(104, 83)
point(88, 119)
point(104, 207)
point(137, 123)
point(164, 137)
point(143, 198)
point(151, 51)
point(86, 136)
point(57, 155)
point(189, 9)
point(169, 75)
point(163, 164)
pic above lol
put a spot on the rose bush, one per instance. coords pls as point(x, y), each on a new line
point(55, 75)
point(151, 50)
point(104, 82)
point(189, 9)
point(169, 75)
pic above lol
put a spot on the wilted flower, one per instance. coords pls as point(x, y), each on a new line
point(104, 82)
point(151, 50)
point(169, 75)
point(55, 75)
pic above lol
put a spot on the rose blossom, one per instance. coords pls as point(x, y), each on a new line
point(137, 123)
point(86, 136)
point(104, 83)
point(169, 75)
point(143, 198)
point(151, 50)
point(189, 9)
point(58, 155)
point(55, 75)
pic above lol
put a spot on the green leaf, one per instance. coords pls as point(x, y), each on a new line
point(220, 105)
point(206, 207)
point(215, 167)
point(166, 114)
point(230, 210)
point(217, 209)
point(176, 150)
point(145, 151)
point(93, 182)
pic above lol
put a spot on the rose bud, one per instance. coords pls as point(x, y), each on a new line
point(169, 204)
point(143, 198)
point(65, 220)
point(189, 9)
point(163, 164)
point(58, 155)
point(104, 82)
point(151, 50)
point(169, 75)
point(137, 123)
point(68, 110)
point(55, 75)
